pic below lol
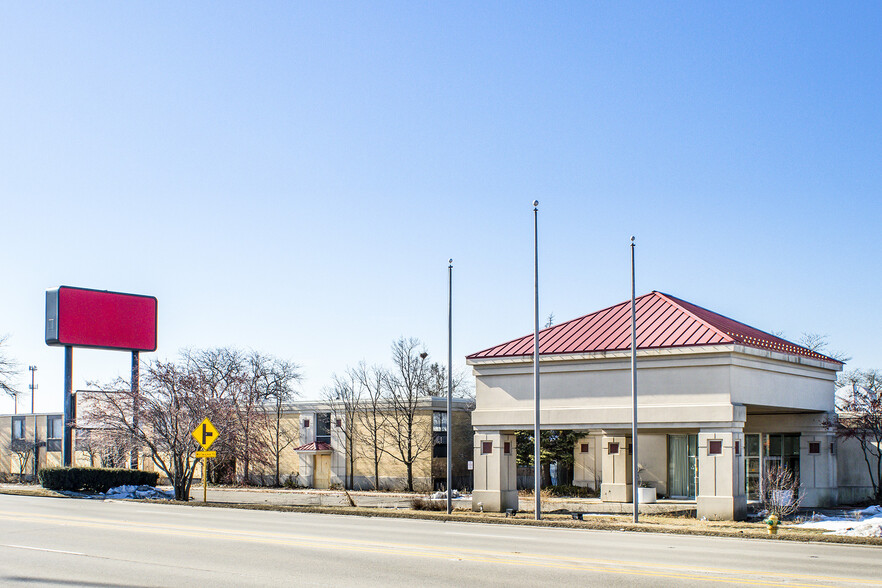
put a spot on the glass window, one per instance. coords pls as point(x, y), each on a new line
point(486, 447)
point(323, 427)
point(439, 421)
point(715, 447)
point(54, 429)
point(18, 428)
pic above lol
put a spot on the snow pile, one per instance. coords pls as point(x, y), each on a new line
point(859, 523)
point(443, 495)
point(131, 492)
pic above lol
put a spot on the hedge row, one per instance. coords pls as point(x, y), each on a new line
point(94, 479)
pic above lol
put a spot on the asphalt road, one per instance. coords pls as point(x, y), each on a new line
point(82, 543)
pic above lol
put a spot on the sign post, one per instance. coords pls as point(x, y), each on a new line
point(205, 434)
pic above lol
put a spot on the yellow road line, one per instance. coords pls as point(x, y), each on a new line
point(432, 551)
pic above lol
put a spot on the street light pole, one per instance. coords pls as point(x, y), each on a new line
point(537, 469)
point(449, 386)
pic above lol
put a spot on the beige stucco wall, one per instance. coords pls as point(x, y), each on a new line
point(853, 478)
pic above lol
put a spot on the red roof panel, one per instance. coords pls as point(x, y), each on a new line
point(663, 321)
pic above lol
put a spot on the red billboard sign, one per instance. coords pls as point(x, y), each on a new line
point(80, 317)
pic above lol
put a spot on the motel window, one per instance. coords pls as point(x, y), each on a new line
point(486, 447)
point(613, 449)
point(18, 428)
point(715, 447)
point(439, 421)
point(54, 431)
point(323, 427)
point(814, 447)
point(585, 448)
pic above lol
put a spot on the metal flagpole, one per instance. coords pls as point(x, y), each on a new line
point(449, 386)
point(634, 463)
point(537, 469)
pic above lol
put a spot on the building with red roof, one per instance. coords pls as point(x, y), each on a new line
point(718, 400)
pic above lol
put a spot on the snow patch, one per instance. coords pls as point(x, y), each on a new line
point(858, 523)
point(135, 492)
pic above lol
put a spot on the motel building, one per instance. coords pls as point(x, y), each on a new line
point(719, 402)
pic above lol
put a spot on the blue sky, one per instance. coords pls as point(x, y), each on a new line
point(292, 177)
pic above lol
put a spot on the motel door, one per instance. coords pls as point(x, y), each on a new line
point(682, 466)
point(322, 471)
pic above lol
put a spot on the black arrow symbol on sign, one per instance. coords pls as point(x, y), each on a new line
point(205, 434)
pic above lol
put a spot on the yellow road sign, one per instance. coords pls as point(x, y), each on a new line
point(205, 434)
point(205, 454)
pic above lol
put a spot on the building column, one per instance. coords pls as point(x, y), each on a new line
point(496, 483)
point(615, 475)
point(817, 468)
point(586, 462)
point(721, 484)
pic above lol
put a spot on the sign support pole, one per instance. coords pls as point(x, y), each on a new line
point(136, 405)
point(204, 479)
point(67, 442)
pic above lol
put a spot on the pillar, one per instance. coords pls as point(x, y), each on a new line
point(496, 483)
point(817, 468)
point(721, 486)
point(616, 476)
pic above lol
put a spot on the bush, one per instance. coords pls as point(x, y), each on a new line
point(420, 503)
point(570, 491)
point(94, 479)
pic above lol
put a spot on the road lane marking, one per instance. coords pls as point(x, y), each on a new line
point(43, 549)
point(432, 551)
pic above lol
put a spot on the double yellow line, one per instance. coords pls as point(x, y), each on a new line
point(534, 560)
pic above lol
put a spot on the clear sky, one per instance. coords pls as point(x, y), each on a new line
point(292, 177)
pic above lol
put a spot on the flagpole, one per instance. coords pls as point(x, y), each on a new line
point(634, 463)
point(449, 386)
point(537, 469)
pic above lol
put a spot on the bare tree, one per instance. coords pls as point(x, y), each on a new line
point(407, 385)
point(819, 344)
point(781, 495)
point(24, 453)
point(344, 397)
point(372, 413)
point(172, 402)
point(859, 417)
point(8, 371)
point(221, 373)
point(277, 381)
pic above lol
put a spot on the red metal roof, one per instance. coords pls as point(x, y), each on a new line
point(313, 447)
point(663, 321)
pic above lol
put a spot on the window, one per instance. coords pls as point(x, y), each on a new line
point(506, 448)
point(814, 447)
point(323, 427)
point(585, 448)
point(18, 428)
point(613, 449)
point(486, 447)
point(439, 421)
point(737, 447)
point(54, 432)
point(339, 423)
point(305, 423)
point(715, 447)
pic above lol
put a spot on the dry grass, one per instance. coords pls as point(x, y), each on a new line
point(679, 525)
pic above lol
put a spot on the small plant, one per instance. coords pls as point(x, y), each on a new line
point(422, 503)
point(781, 495)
